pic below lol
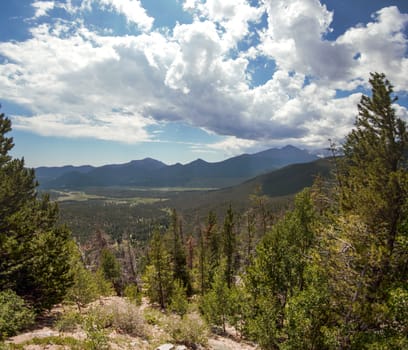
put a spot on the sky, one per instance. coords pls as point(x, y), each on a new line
point(109, 81)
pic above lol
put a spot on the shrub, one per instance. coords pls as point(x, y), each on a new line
point(131, 292)
point(178, 299)
point(153, 316)
point(94, 324)
point(104, 287)
point(126, 318)
point(69, 321)
point(190, 330)
point(85, 288)
point(14, 314)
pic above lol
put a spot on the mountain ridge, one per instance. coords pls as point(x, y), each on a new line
point(149, 172)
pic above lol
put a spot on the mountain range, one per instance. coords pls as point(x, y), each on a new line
point(153, 173)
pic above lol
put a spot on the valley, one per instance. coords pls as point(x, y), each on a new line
point(124, 210)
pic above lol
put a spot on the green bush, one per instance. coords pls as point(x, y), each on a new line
point(131, 292)
point(127, 318)
point(95, 324)
point(191, 330)
point(69, 321)
point(178, 299)
point(153, 317)
point(85, 287)
point(14, 314)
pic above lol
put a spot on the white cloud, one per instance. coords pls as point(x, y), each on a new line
point(194, 73)
point(381, 46)
point(232, 146)
point(295, 39)
point(42, 8)
point(132, 10)
point(113, 127)
point(232, 18)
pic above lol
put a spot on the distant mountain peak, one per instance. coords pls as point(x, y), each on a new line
point(290, 147)
point(150, 172)
point(198, 161)
point(147, 160)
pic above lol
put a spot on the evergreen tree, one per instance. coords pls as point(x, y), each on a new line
point(159, 272)
point(178, 300)
point(208, 254)
point(365, 247)
point(178, 253)
point(276, 273)
point(84, 289)
point(111, 270)
point(216, 304)
point(229, 247)
point(34, 250)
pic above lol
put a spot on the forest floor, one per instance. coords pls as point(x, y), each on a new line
point(138, 327)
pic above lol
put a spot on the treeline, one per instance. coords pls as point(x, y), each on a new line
point(330, 273)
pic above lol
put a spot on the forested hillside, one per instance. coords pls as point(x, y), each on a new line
point(327, 271)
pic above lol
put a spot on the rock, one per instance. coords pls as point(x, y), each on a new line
point(172, 347)
point(166, 347)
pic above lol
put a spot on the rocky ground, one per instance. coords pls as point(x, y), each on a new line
point(116, 324)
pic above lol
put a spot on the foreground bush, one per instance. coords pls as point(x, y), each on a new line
point(69, 321)
point(14, 314)
point(189, 330)
point(127, 318)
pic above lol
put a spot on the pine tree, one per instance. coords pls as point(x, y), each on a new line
point(84, 289)
point(111, 270)
point(178, 253)
point(229, 247)
point(159, 272)
point(276, 273)
point(365, 247)
point(208, 252)
point(216, 303)
point(178, 300)
point(34, 250)
point(375, 163)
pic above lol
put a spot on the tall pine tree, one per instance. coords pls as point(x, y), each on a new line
point(34, 250)
point(366, 247)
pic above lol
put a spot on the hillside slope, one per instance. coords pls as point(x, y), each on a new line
point(280, 185)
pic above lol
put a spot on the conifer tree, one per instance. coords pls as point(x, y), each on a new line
point(364, 250)
point(178, 253)
point(375, 166)
point(34, 250)
point(159, 272)
point(276, 273)
point(229, 247)
point(209, 252)
point(216, 303)
point(111, 270)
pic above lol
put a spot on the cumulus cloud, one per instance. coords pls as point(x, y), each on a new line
point(113, 127)
point(132, 10)
point(80, 83)
point(232, 146)
point(42, 8)
point(380, 46)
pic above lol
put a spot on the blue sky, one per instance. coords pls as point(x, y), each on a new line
point(109, 81)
